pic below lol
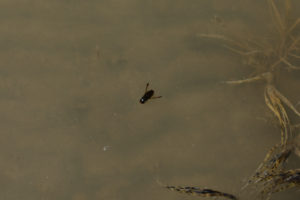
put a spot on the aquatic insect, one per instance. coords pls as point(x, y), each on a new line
point(148, 95)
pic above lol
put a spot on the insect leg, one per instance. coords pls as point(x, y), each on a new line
point(156, 97)
point(146, 89)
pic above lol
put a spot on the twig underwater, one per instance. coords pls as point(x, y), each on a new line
point(197, 191)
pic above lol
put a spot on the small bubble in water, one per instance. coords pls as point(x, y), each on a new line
point(105, 148)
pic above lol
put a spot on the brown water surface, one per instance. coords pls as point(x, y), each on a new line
point(72, 73)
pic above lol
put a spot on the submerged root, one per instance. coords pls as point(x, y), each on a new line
point(266, 57)
point(274, 100)
point(289, 65)
point(281, 181)
point(275, 105)
point(272, 164)
point(285, 100)
point(248, 80)
point(196, 191)
point(287, 42)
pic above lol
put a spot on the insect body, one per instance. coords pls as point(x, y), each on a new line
point(148, 95)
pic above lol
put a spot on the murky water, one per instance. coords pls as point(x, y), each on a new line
point(71, 76)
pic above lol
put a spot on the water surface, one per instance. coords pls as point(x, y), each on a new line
point(71, 76)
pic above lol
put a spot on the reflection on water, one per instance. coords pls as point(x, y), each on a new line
point(72, 73)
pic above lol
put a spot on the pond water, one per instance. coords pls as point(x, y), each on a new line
point(72, 74)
